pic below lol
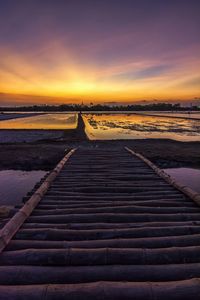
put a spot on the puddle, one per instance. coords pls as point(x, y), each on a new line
point(187, 176)
point(14, 185)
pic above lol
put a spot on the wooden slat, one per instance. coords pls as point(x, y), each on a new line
point(176, 290)
point(101, 256)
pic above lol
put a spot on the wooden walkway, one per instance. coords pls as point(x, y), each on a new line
point(108, 227)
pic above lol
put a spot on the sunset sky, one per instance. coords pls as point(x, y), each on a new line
point(64, 51)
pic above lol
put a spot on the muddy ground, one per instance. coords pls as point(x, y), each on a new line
point(45, 155)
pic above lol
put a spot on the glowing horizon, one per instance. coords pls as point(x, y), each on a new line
point(93, 58)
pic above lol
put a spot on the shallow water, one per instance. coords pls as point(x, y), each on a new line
point(132, 126)
point(14, 185)
point(45, 121)
point(189, 114)
point(188, 176)
point(8, 116)
point(116, 125)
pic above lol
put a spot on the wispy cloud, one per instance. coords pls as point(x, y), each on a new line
point(102, 52)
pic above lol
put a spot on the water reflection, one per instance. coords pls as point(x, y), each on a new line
point(8, 116)
point(121, 126)
point(45, 121)
point(187, 176)
point(187, 115)
point(14, 185)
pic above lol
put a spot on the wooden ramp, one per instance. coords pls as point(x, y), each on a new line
point(108, 227)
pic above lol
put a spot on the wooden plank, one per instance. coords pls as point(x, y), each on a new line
point(101, 256)
point(14, 275)
point(98, 234)
point(116, 218)
point(148, 242)
point(174, 290)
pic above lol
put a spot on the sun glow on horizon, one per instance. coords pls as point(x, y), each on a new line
point(129, 81)
point(82, 54)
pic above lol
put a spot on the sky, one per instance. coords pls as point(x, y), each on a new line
point(67, 51)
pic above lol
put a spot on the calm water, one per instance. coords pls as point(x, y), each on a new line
point(8, 116)
point(115, 125)
point(130, 126)
point(187, 176)
point(192, 114)
point(45, 121)
point(14, 185)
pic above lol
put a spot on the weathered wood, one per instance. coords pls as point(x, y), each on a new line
point(111, 217)
point(149, 242)
point(174, 290)
point(102, 256)
point(110, 197)
point(109, 227)
point(121, 209)
point(112, 193)
point(148, 203)
point(13, 275)
point(85, 226)
point(81, 235)
point(97, 204)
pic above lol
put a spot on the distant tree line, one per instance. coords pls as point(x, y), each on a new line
point(102, 107)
